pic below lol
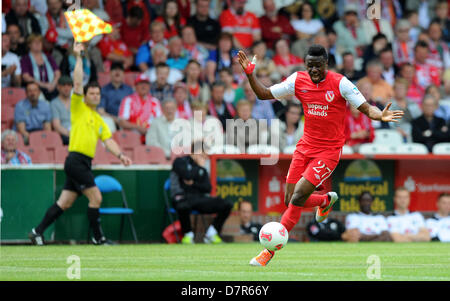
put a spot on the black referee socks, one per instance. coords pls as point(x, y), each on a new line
point(94, 221)
point(50, 216)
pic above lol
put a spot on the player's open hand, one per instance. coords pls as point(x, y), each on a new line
point(388, 116)
point(126, 161)
point(245, 62)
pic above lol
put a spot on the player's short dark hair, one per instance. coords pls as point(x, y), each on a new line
point(318, 50)
point(136, 12)
point(347, 53)
point(443, 195)
point(217, 83)
point(192, 61)
point(364, 193)
point(161, 65)
point(91, 85)
point(421, 44)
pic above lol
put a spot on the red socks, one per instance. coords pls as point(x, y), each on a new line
point(292, 214)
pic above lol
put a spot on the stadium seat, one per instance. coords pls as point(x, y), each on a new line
point(347, 150)
point(61, 154)
point(103, 156)
point(262, 149)
point(224, 149)
point(38, 154)
point(411, 149)
point(441, 148)
point(103, 78)
point(108, 184)
point(171, 212)
point(126, 138)
point(11, 96)
point(387, 137)
point(289, 149)
point(376, 149)
point(48, 139)
point(145, 154)
point(130, 77)
point(7, 116)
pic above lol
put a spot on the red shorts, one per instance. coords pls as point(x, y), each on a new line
point(314, 164)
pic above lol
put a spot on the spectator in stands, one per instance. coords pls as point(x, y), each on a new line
point(10, 153)
point(160, 88)
point(443, 19)
point(411, 109)
point(350, 32)
point(21, 16)
point(275, 25)
point(178, 57)
point(180, 94)
point(372, 51)
point(134, 30)
point(89, 66)
point(415, 92)
point(348, 68)
point(306, 27)
point(413, 19)
point(195, 50)
point(439, 53)
point(50, 48)
point(429, 129)
point(204, 125)
point(197, 89)
point(406, 226)
point(376, 26)
point(145, 52)
point(443, 110)
point(190, 189)
point(243, 25)
point(261, 109)
point(439, 224)
point(403, 46)
point(60, 107)
point(381, 90)
point(159, 56)
point(115, 10)
point(425, 10)
point(247, 226)
point(365, 225)
point(292, 129)
point(113, 93)
point(39, 68)
point(160, 133)
point(56, 20)
point(114, 49)
point(328, 230)
point(365, 87)
point(259, 49)
point(32, 114)
point(17, 41)
point(237, 135)
point(95, 7)
point(207, 30)
point(358, 129)
point(285, 61)
point(11, 72)
point(220, 58)
point(426, 74)
point(226, 76)
point(217, 105)
point(138, 110)
point(172, 19)
point(390, 70)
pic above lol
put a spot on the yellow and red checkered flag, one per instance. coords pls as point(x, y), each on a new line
point(85, 24)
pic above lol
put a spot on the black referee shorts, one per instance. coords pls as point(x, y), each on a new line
point(78, 169)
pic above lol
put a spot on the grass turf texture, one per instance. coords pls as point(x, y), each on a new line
point(227, 262)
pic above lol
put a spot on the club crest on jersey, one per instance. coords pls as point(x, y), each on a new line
point(329, 96)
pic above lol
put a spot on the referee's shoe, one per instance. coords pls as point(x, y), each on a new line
point(36, 238)
point(103, 241)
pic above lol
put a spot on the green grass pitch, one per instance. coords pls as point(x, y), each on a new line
point(228, 262)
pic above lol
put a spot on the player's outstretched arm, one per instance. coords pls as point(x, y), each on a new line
point(376, 114)
point(78, 71)
point(260, 90)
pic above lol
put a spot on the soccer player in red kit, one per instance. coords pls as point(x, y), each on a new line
point(324, 95)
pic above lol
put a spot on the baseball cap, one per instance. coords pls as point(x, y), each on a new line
point(51, 35)
point(65, 80)
point(142, 78)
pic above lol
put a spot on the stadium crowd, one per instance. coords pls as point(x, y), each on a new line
point(166, 60)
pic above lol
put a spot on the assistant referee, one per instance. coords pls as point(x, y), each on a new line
point(87, 127)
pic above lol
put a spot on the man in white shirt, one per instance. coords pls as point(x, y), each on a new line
point(364, 225)
point(11, 72)
point(439, 224)
point(405, 226)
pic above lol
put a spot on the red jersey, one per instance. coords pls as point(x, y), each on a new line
point(324, 105)
point(139, 111)
point(242, 27)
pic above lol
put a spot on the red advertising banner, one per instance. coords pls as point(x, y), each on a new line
point(425, 180)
